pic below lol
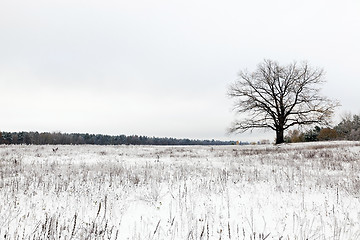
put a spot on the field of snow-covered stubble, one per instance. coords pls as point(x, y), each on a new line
point(299, 191)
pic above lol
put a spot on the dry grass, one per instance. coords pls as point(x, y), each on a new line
point(299, 191)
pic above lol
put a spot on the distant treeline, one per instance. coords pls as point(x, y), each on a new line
point(37, 138)
point(347, 129)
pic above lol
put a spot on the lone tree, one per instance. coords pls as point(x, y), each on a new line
point(279, 97)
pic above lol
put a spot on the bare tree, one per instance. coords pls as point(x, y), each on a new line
point(279, 97)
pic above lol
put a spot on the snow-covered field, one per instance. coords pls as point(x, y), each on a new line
point(298, 191)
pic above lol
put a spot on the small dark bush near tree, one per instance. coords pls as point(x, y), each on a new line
point(327, 134)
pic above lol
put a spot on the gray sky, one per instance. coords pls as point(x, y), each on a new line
point(161, 68)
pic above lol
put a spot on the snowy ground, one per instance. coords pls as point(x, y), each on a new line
point(298, 191)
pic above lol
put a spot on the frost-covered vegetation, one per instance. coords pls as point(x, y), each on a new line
point(298, 191)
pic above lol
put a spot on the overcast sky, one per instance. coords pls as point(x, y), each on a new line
point(161, 67)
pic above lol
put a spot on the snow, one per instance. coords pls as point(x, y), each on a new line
point(291, 191)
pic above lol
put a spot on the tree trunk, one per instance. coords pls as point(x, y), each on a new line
point(279, 135)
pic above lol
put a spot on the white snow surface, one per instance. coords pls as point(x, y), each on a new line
point(291, 191)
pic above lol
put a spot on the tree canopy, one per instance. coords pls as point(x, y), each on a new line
point(278, 97)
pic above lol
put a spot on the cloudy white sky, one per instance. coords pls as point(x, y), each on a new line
point(161, 68)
